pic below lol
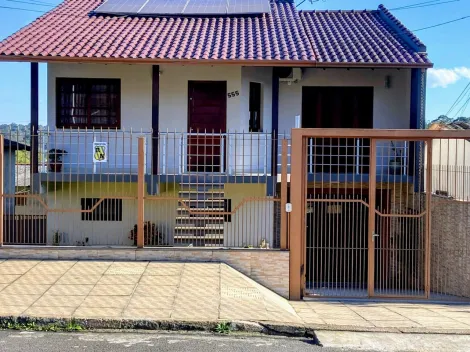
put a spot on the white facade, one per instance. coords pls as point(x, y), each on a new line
point(391, 105)
point(248, 153)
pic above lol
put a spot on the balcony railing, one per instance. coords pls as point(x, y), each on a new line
point(115, 152)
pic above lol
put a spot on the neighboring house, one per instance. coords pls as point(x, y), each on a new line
point(451, 163)
point(13, 175)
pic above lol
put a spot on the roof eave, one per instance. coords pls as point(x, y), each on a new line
point(372, 65)
point(108, 60)
point(254, 62)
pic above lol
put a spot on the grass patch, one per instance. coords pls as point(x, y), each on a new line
point(34, 326)
point(223, 327)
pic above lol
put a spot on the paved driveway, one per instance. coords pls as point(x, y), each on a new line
point(197, 292)
point(153, 290)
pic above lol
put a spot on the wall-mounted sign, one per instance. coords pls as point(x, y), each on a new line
point(100, 152)
point(233, 94)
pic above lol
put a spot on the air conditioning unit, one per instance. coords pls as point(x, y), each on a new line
point(290, 75)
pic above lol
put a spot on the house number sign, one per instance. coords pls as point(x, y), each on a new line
point(233, 94)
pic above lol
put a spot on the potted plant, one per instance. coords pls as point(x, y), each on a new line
point(55, 159)
point(395, 164)
point(152, 236)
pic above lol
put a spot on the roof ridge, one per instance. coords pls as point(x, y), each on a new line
point(401, 29)
point(341, 11)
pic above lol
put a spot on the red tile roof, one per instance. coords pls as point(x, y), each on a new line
point(70, 31)
point(362, 37)
point(284, 36)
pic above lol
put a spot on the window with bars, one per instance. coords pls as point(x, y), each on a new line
point(88, 103)
point(107, 210)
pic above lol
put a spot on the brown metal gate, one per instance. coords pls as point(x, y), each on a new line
point(361, 213)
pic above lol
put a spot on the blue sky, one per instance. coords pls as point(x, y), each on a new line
point(447, 47)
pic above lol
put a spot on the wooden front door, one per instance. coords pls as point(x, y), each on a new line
point(207, 123)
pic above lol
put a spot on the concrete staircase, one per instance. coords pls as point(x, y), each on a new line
point(200, 230)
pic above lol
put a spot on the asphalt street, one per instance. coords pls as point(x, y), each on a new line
point(29, 341)
point(332, 341)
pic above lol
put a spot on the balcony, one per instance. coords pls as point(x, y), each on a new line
point(112, 154)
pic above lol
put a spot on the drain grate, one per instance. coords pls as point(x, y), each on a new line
point(241, 292)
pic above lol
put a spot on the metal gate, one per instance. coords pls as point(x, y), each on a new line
point(363, 219)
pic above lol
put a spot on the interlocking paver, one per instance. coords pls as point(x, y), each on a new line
point(17, 300)
point(12, 310)
point(139, 313)
point(59, 301)
point(158, 291)
point(105, 302)
point(69, 290)
point(195, 314)
point(22, 289)
point(36, 279)
point(160, 280)
point(119, 280)
point(76, 279)
point(47, 312)
point(163, 271)
point(112, 290)
point(7, 279)
point(101, 312)
point(139, 302)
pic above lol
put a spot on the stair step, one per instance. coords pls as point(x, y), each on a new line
point(201, 186)
point(199, 237)
point(212, 191)
point(201, 195)
point(206, 227)
point(181, 209)
point(200, 217)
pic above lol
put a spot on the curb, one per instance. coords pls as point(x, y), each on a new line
point(60, 324)
point(250, 327)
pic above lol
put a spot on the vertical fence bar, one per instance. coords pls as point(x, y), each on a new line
point(2, 150)
point(427, 234)
point(140, 192)
point(284, 214)
point(297, 225)
point(371, 232)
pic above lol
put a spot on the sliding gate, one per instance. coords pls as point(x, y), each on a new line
point(362, 228)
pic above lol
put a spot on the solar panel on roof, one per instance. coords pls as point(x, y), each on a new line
point(184, 7)
point(163, 7)
point(248, 6)
point(120, 6)
point(206, 7)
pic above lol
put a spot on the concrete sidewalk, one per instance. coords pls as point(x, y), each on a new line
point(136, 290)
point(400, 316)
point(197, 292)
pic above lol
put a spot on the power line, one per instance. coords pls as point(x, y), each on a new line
point(33, 3)
point(441, 24)
point(422, 4)
point(459, 98)
point(462, 108)
point(20, 9)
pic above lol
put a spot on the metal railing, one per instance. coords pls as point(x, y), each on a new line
point(106, 188)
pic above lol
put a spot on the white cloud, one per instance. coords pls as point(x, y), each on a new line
point(442, 77)
point(463, 71)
